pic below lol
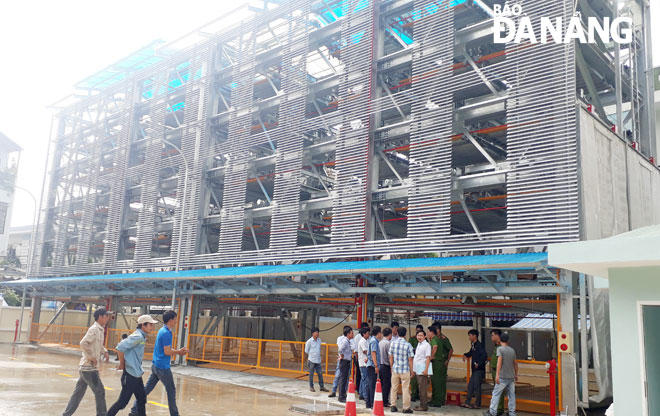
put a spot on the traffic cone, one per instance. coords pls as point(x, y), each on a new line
point(351, 409)
point(379, 410)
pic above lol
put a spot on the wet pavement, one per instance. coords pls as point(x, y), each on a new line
point(38, 381)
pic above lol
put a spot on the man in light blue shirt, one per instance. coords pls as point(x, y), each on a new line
point(313, 351)
point(373, 364)
point(160, 365)
point(130, 352)
point(345, 360)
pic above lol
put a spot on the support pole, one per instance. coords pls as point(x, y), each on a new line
point(617, 80)
point(20, 320)
point(568, 368)
point(174, 295)
point(36, 314)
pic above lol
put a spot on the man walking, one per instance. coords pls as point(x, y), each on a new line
point(373, 364)
point(335, 383)
point(160, 365)
point(131, 351)
point(421, 364)
point(440, 363)
point(385, 369)
point(345, 360)
point(495, 337)
point(92, 349)
point(479, 357)
point(401, 362)
point(505, 377)
point(313, 351)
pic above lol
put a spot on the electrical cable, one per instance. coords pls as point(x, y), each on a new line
point(334, 326)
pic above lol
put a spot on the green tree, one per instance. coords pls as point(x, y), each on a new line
point(11, 297)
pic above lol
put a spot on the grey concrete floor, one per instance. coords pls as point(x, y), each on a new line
point(38, 381)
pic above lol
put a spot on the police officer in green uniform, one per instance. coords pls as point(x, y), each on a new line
point(495, 337)
point(414, 388)
point(441, 354)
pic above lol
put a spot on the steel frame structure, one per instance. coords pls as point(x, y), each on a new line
point(317, 130)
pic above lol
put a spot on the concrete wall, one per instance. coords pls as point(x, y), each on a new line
point(627, 287)
point(8, 317)
point(611, 204)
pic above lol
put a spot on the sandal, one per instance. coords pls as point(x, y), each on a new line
point(467, 406)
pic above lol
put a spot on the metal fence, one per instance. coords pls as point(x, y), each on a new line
point(68, 335)
point(289, 359)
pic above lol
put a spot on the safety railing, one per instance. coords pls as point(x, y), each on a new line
point(287, 357)
point(57, 334)
point(68, 335)
point(532, 387)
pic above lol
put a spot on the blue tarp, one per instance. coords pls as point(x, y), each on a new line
point(522, 261)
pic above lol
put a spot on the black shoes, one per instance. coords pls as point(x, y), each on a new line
point(333, 394)
point(393, 409)
point(407, 411)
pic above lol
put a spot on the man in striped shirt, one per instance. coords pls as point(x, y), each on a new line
point(401, 361)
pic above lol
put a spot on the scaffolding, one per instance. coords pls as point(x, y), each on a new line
point(314, 130)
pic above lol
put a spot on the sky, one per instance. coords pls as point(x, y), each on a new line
point(48, 46)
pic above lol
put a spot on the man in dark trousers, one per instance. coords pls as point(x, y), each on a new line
point(385, 369)
point(479, 357)
point(414, 389)
point(131, 351)
point(442, 352)
point(160, 365)
point(373, 364)
point(92, 351)
point(345, 360)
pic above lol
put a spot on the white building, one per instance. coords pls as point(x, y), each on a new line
point(9, 158)
point(19, 243)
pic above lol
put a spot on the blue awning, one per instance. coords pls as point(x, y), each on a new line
point(494, 263)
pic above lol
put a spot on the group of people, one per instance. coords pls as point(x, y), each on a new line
point(130, 352)
point(385, 354)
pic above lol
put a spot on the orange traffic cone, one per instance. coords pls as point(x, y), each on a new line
point(351, 409)
point(378, 401)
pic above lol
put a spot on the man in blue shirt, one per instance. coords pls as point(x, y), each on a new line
point(160, 365)
point(373, 364)
point(130, 352)
point(313, 351)
point(345, 359)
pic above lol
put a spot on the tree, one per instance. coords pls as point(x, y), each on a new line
point(11, 297)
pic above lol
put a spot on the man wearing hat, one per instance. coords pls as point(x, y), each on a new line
point(130, 352)
point(160, 364)
point(92, 349)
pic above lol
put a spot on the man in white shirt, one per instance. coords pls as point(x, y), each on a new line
point(395, 327)
point(421, 364)
point(363, 349)
point(313, 351)
point(354, 345)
